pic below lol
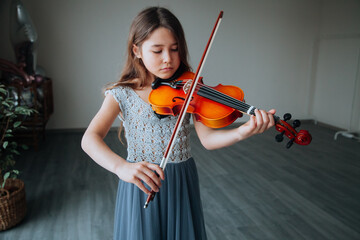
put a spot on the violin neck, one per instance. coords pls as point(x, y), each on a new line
point(229, 101)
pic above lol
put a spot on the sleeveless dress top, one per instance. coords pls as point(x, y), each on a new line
point(147, 136)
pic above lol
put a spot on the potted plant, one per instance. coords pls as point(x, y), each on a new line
point(12, 191)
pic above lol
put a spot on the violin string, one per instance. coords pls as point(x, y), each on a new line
point(230, 101)
point(225, 99)
point(217, 96)
point(236, 103)
point(239, 105)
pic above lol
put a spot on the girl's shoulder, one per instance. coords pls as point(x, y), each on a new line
point(124, 92)
point(123, 96)
point(118, 90)
point(120, 93)
point(123, 87)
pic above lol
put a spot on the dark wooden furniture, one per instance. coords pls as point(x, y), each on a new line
point(39, 96)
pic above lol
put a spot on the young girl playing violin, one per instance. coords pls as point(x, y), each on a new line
point(156, 49)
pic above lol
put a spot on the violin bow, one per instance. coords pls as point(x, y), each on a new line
point(186, 104)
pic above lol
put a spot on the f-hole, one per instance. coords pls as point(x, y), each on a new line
point(181, 98)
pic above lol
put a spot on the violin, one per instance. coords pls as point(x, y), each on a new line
point(216, 107)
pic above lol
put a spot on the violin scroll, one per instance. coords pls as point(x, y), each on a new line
point(301, 137)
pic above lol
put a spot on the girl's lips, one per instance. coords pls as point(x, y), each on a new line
point(166, 69)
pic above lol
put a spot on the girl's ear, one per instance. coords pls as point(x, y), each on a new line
point(136, 51)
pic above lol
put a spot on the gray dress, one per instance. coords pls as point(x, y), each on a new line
point(176, 211)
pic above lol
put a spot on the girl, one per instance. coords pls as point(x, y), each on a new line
point(156, 49)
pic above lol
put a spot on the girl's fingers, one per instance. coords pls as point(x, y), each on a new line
point(252, 122)
point(142, 187)
point(259, 120)
point(140, 173)
point(272, 111)
point(258, 123)
point(146, 179)
point(152, 176)
point(264, 120)
point(158, 170)
point(271, 117)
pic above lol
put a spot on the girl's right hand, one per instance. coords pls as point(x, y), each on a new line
point(140, 172)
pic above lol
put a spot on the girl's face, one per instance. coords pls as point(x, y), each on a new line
point(159, 53)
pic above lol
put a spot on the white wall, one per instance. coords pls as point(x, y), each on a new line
point(336, 89)
point(265, 47)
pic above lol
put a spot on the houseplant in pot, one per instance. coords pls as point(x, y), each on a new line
point(12, 191)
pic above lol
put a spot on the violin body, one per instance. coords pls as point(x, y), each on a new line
point(168, 100)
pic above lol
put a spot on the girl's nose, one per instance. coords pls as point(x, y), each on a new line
point(167, 57)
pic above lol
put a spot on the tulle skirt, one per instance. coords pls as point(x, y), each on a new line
point(174, 214)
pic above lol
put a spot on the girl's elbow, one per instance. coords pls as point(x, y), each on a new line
point(85, 142)
point(209, 148)
point(207, 145)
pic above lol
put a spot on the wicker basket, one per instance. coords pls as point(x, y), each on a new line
point(13, 204)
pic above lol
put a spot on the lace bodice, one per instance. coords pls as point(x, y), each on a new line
point(148, 136)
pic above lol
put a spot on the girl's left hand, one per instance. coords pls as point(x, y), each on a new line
point(259, 123)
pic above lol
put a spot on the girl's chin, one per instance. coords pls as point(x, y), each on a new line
point(165, 75)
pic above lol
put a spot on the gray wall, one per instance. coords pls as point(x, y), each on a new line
point(278, 52)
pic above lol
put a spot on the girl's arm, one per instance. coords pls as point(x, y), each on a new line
point(93, 144)
point(213, 139)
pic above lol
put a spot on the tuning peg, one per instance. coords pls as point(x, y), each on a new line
point(287, 116)
point(290, 143)
point(296, 123)
point(280, 137)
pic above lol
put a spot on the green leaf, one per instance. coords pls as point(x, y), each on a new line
point(9, 158)
point(16, 124)
point(6, 175)
point(23, 110)
point(5, 104)
point(25, 147)
point(3, 91)
point(5, 144)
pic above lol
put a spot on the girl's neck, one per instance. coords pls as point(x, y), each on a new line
point(149, 80)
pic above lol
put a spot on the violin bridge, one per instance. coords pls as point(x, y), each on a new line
point(187, 86)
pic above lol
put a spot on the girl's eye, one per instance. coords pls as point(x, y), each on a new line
point(160, 51)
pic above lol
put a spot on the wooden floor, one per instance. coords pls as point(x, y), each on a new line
point(256, 189)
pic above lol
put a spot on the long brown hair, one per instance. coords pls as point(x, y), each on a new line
point(134, 73)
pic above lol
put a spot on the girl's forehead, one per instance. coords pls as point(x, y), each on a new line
point(160, 37)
